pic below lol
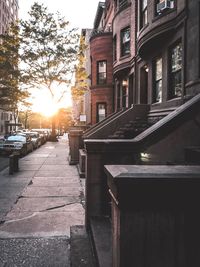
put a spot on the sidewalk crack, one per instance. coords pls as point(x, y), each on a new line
point(59, 206)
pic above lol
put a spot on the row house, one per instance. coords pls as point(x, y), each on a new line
point(142, 153)
point(101, 55)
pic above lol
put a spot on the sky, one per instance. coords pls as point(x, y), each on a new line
point(80, 14)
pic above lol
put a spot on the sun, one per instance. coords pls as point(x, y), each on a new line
point(43, 103)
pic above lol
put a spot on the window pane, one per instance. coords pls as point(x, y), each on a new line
point(158, 69)
point(144, 4)
point(126, 36)
point(102, 66)
point(176, 83)
point(101, 112)
point(177, 58)
point(176, 71)
point(158, 80)
point(158, 92)
point(125, 41)
point(102, 78)
point(101, 72)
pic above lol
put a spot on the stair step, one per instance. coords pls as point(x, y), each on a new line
point(81, 249)
point(102, 240)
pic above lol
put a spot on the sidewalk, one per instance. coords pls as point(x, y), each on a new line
point(38, 205)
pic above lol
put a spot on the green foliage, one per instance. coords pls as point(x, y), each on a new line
point(11, 95)
point(48, 51)
point(64, 119)
point(81, 85)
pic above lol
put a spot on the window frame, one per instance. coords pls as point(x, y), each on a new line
point(157, 80)
point(122, 3)
point(175, 73)
point(143, 14)
point(124, 44)
point(115, 48)
point(101, 81)
point(97, 110)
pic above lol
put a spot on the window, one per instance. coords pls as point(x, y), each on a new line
point(143, 13)
point(125, 93)
point(101, 111)
point(157, 97)
point(125, 41)
point(122, 3)
point(101, 72)
point(176, 71)
point(115, 48)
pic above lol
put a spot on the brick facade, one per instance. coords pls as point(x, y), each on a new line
point(101, 49)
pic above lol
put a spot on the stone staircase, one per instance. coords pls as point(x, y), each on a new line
point(131, 129)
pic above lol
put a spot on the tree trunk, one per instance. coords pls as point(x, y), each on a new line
point(53, 129)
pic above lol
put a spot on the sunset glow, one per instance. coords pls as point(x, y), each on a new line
point(43, 103)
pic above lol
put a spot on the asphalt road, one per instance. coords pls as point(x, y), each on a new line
point(4, 161)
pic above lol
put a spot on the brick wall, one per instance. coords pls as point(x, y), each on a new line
point(101, 48)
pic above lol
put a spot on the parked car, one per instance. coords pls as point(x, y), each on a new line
point(42, 135)
point(36, 140)
point(18, 143)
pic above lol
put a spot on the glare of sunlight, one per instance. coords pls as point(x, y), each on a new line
point(43, 103)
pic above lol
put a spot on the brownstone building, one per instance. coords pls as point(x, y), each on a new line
point(101, 57)
point(142, 162)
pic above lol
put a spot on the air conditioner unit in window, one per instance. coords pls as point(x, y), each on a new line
point(164, 5)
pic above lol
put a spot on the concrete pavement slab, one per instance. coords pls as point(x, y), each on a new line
point(55, 167)
point(38, 204)
point(35, 252)
point(41, 224)
point(60, 180)
point(59, 191)
point(38, 155)
point(57, 161)
point(59, 173)
point(32, 160)
point(55, 182)
point(29, 167)
point(16, 214)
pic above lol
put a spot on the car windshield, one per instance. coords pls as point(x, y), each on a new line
point(18, 138)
